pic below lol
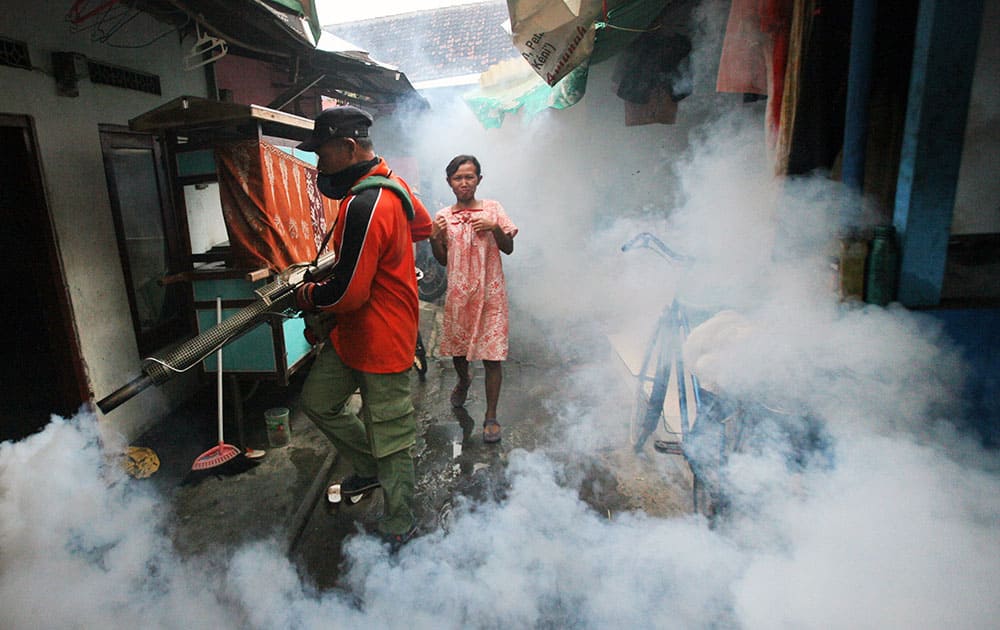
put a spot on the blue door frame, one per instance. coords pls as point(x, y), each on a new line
point(944, 60)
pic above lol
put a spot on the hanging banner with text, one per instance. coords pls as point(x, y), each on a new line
point(554, 36)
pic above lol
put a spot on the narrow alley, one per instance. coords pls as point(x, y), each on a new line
point(282, 496)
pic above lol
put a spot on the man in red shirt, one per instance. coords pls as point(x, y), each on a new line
point(373, 294)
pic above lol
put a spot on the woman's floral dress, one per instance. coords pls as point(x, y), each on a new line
point(475, 305)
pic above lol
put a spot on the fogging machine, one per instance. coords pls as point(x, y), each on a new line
point(274, 297)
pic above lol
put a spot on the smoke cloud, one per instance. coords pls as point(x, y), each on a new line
point(889, 519)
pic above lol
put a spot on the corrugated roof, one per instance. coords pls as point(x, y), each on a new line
point(437, 43)
point(278, 32)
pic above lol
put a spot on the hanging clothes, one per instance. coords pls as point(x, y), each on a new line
point(813, 105)
point(652, 75)
point(755, 52)
point(652, 61)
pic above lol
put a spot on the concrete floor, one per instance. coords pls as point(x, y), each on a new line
point(283, 494)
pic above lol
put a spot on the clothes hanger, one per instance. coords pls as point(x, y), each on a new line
point(206, 49)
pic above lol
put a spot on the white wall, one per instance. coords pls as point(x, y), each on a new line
point(73, 171)
point(977, 199)
point(206, 223)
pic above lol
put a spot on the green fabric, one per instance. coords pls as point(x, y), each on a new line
point(625, 23)
point(387, 412)
point(532, 95)
point(376, 444)
point(378, 181)
point(398, 479)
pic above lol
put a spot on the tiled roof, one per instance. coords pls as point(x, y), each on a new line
point(438, 43)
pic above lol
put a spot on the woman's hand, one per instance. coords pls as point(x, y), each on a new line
point(439, 228)
point(483, 224)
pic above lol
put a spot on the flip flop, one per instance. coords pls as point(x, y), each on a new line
point(458, 395)
point(491, 431)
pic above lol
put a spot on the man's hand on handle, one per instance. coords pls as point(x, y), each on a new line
point(304, 297)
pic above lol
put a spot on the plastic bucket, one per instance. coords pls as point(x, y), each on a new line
point(278, 430)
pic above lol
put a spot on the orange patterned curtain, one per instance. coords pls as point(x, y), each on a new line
point(274, 213)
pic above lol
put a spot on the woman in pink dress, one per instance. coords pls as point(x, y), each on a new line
point(467, 238)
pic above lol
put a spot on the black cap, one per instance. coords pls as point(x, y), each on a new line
point(345, 121)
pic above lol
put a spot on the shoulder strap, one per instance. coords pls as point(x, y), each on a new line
point(378, 181)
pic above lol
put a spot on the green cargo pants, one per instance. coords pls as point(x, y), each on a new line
point(378, 444)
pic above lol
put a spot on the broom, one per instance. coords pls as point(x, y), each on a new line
point(222, 452)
